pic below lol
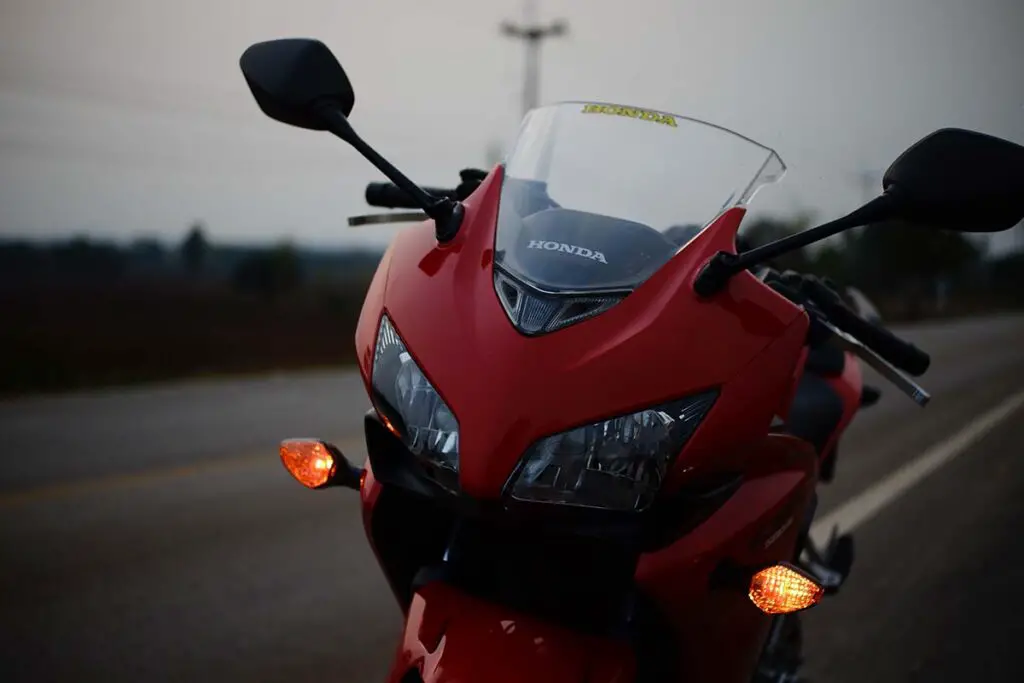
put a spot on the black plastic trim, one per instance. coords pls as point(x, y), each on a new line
point(657, 527)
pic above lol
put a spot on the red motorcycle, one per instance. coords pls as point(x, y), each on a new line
point(597, 429)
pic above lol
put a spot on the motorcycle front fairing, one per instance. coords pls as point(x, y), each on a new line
point(453, 637)
point(658, 342)
point(510, 376)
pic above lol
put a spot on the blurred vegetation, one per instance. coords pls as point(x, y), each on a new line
point(909, 272)
point(194, 249)
point(83, 313)
point(269, 274)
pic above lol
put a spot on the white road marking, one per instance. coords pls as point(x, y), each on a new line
point(872, 500)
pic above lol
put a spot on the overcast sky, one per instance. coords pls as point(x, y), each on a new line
point(126, 118)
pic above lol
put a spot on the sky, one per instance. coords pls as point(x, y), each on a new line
point(130, 118)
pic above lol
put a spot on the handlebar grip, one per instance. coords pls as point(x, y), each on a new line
point(902, 354)
point(390, 196)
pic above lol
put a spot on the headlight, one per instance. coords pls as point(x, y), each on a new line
point(615, 464)
point(413, 407)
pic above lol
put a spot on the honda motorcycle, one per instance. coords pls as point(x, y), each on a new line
point(595, 438)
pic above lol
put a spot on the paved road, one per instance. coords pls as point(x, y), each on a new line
point(151, 535)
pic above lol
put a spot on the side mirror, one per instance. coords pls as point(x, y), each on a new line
point(958, 180)
point(295, 79)
point(317, 464)
point(299, 82)
point(953, 179)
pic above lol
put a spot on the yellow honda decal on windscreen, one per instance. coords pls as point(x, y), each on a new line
point(631, 112)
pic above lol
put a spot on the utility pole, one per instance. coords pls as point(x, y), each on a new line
point(533, 34)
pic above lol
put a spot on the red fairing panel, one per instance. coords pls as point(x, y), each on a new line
point(508, 390)
point(451, 637)
point(718, 631)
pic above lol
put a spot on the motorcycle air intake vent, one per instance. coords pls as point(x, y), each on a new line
point(534, 313)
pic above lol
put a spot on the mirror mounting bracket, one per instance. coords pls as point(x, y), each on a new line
point(446, 227)
point(446, 213)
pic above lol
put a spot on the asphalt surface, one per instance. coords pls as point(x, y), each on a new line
point(150, 534)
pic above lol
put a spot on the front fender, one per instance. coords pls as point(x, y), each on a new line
point(452, 637)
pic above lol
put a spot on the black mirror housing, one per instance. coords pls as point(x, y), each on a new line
point(953, 179)
point(298, 81)
point(292, 79)
point(958, 179)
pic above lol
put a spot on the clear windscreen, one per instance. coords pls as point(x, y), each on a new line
point(598, 197)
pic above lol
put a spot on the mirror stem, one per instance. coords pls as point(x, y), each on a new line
point(875, 210)
point(446, 213)
point(716, 273)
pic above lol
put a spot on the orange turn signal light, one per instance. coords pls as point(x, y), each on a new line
point(308, 461)
point(782, 589)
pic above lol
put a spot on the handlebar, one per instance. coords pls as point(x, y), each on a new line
point(807, 289)
point(845, 342)
point(900, 353)
point(390, 196)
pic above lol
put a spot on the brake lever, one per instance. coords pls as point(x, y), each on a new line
point(822, 332)
point(846, 342)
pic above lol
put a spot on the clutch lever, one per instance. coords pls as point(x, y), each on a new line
point(846, 342)
point(393, 217)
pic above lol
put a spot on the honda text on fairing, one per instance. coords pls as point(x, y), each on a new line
point(597, 429)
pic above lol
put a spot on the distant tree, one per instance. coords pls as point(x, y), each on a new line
point(767, 229)
point(269, 273)
point(147, 253)
point(82, 259)
point(21, 260)
point(286, 267)
point(910, 262)
point(195, 248)
point(890, 253)
point(1007, 279)
point(832, 261)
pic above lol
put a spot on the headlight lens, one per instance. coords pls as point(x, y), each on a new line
point(415, 410)
point(615, 464)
